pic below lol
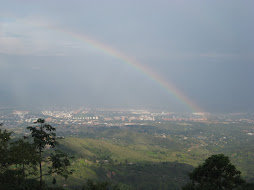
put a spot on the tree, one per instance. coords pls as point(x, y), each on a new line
point(16, 160)
point(5, 175)
point(24, 156)
point(216, 173)
point(21, 158)
point(43, 136)
point(5, 137)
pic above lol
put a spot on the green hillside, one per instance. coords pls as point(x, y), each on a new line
point(153, 157)
point(129, 166)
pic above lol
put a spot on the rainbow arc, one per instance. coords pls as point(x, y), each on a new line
point(108, 50)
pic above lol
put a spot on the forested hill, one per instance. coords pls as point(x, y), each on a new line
point(163, 153)
point(152, 156)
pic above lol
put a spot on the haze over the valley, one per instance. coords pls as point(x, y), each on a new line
point(204, 48)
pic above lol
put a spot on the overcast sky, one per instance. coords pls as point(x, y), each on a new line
point(204, 48)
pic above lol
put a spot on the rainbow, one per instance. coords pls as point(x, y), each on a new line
point(168, 86)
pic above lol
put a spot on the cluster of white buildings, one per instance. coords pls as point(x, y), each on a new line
point(58, 114)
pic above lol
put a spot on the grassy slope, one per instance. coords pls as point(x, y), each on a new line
point(137, 152)
point(143, 162)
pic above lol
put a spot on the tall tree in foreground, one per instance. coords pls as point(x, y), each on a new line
point(43, 136)
point(217, 173)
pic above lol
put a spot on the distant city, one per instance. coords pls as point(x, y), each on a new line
point(114, 117)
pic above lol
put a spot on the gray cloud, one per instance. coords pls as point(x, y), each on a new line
point(204, 48)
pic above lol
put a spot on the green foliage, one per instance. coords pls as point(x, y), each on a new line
point(91, 185)
point(43, 136)
point(247, 186)
point(216, 173)
point(16, 162)
point(24, 155)
point(5, 137)
point(20, 159)
point(60, 163)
